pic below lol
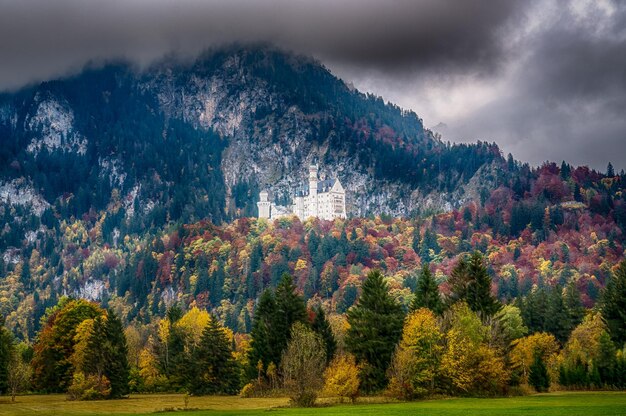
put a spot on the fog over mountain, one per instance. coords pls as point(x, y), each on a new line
point(544, 80)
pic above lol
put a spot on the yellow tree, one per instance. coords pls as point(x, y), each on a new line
point(584, 342)
point(416, 360)
point(524, 350)
point(468, 363)
point(341, 378)
point(191, 325)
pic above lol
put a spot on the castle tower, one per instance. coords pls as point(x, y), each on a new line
point(312, 199)
point(264, 205)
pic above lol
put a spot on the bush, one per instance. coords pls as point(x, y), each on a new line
point(303, 365)
point(341, 378)
point(89, 387)
point(249, 390)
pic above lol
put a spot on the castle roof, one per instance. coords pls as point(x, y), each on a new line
point(322, 187)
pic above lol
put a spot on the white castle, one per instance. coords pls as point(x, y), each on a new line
point(323, 199)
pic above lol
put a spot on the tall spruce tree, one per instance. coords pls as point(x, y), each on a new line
point(479, 297)
point(459, 281)
point(263, 347)
point(427, 292)
point(214, 369)
point(614, 305)
point(322, 327)
point(107, 353)
point(117, 369)
point(470, 282)
point(538, 376)
point(574, 304)
point(290, 308)
point(271, 327)
point(558, 320)
point(375, 328)
point(6, 348)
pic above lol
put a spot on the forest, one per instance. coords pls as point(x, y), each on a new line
point(521, 291)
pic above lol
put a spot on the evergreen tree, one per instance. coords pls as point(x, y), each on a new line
point(107, 353)
point(538, 376)
point(459, 281)
point(322, 327)
point(479, 298)
point(565, 171)
point(427, 292)
point(290, 308)
point(213, 368)
point(610, 171)
point(606, 362)
point(6, 348)
point(375, 328)
point(117, 368)
point(614, 305)
point(263, 346)
point(470, 282)
point(557, 320)
point(574, 305)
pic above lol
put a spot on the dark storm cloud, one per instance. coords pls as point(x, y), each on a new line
point(42, 38)
point(544, 79)
point(566, 99)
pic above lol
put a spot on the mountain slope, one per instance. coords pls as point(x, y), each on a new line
point(189, 141)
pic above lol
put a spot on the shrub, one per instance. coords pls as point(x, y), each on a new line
point(91, 387)
point(341, 378)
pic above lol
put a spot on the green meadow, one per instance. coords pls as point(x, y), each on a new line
point(561, 403)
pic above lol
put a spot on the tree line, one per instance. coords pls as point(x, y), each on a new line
point(464, 343)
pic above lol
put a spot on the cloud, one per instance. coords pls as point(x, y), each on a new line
point(559, 92)
point(544, 79)
point(41, 38)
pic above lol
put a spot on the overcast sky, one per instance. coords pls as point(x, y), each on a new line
point(546, 80)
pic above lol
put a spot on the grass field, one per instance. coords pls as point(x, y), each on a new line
point(570, 404)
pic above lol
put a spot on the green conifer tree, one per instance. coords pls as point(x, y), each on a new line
point(427, 292)
point(214, 368)
point(117, 369)
point(375, 328)
point(322, 327)
point(613, 305)
point(538, 376)
point(263, 346)
point(290, 308)
point(6, 348)
point(479, 297)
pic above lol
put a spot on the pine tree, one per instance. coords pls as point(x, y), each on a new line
point(107, 353)
point(574, 305)
point(610, 171)
point(479, 297)
point(263, 346)
point(375, 328)
point(214, 369)
point(557, 320)
point(427, 292)
point(6, 348)
point(459, 281)
point(322, 327)
point(290, 308)
point(614, 305)
point(117, 369)
point(606, 362)
point(538, 376)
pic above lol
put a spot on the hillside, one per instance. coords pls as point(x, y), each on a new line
point(136, 189)
point(212, 133)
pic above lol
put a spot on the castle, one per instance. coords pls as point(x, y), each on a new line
point(323, 199)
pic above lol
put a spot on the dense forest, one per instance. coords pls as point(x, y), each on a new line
point(118, 271)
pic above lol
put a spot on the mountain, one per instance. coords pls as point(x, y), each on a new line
point(135, 188)
point(185, 141)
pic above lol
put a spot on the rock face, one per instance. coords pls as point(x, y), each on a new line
point(274, 113)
